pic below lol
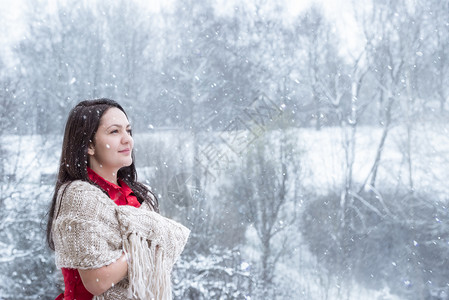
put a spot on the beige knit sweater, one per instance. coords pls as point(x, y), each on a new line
point(90, 231)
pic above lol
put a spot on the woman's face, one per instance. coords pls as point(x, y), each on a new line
point(112, 145)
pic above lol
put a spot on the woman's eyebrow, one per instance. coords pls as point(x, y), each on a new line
point(118, 125)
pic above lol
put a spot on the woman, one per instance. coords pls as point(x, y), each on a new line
point(104, 226)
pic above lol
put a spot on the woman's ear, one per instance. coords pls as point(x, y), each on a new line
point(91, 149)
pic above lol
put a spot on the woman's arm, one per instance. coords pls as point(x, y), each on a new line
point(98, 281)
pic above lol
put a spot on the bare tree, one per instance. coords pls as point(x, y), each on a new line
point(394, 37)
point(434, 16)
point(264, 188)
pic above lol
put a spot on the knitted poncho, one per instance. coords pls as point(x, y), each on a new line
point(90, 231)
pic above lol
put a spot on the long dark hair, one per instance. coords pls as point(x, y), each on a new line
point(80, 129)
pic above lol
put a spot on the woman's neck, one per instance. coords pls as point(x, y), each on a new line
point(109, 175)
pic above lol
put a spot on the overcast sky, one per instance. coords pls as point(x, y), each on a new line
point(339, 12)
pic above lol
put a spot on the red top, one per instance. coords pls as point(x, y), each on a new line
point(122, 195)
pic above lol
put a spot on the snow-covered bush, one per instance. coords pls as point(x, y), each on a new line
point(220, 274)
point(390, 240)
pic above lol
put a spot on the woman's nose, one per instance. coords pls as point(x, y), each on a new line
point(127, 138)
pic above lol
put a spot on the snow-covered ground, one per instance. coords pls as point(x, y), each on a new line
point(322, 154)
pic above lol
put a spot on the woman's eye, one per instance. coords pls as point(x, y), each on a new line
point(130, 132)
point(114, 131)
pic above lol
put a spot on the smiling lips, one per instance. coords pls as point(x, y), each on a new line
point(125, 151)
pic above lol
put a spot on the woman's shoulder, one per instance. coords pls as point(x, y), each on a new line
point(80, 193)
point(78, 185)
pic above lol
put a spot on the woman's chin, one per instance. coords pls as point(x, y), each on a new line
point(127, 164)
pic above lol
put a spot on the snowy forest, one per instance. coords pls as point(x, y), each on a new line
point(306, 145)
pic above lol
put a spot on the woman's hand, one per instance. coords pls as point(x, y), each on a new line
point(98, 281)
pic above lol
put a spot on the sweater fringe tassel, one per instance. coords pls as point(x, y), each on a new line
point(152, 281)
